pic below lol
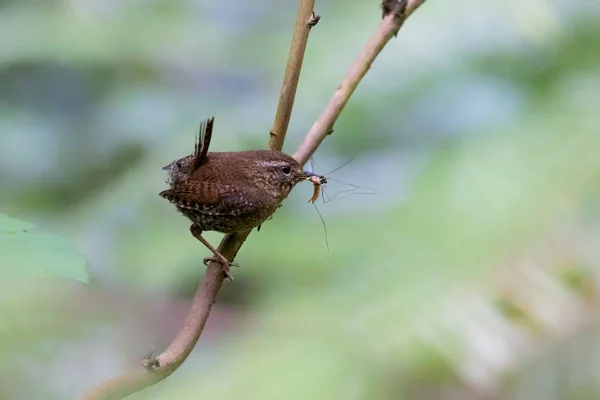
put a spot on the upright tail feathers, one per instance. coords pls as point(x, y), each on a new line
point(202, 143)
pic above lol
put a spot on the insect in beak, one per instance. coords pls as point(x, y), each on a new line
point(317, 181)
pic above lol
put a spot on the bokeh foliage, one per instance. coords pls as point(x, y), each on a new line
point(29, 254)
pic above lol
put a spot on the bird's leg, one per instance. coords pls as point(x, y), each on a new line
point(219, 258)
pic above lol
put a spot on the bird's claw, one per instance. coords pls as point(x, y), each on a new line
point(224, 262)
point(207, 260)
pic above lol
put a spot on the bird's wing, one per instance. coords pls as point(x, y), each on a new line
point(212, 198)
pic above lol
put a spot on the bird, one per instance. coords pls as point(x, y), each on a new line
point(232, 191)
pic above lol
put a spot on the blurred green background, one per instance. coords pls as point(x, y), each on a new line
point(472, 273)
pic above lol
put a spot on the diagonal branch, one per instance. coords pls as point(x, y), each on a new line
point(155, 370)
point(395, 13)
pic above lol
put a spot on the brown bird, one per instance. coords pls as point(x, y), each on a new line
point(229, 191)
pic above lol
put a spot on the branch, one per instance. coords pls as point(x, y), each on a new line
point(155, 370)
point(305, 20)
point(395, 13)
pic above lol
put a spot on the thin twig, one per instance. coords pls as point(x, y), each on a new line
point(394, 14)
point(305, 20)
point(153, 371)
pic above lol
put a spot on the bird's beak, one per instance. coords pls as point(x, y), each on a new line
point(308, 175)
point(167, 167)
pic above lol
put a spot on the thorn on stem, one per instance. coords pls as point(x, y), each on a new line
point(272, 133)
point(314, 19)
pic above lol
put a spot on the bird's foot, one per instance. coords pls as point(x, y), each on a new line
point(225, 263)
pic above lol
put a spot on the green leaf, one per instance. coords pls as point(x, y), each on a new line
point(24, 253)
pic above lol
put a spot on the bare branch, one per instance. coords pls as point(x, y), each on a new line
point(165, 364)
point(155, 370)
point(305, 20)
point(395, 13)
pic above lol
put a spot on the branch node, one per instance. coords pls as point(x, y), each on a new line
point(314, 19)
point(396, 7)
point(149, 362)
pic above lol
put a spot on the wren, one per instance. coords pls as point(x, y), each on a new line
point(229, 192)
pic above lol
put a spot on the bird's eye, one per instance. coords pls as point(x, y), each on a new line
point(286, 169)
